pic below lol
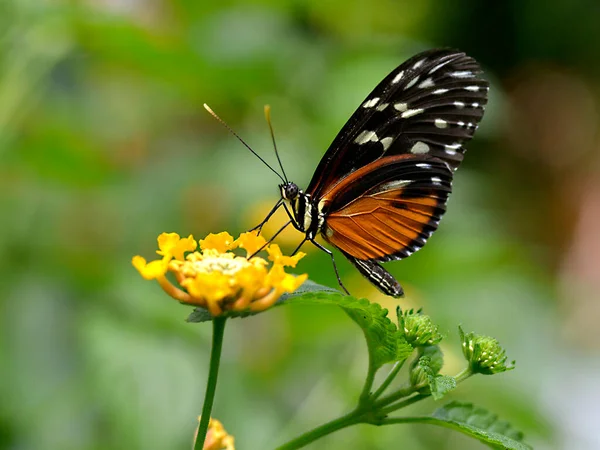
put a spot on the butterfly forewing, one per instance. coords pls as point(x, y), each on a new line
point(429, 106)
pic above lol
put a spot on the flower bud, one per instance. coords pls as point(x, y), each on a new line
point(484, 354)
point(419, 330)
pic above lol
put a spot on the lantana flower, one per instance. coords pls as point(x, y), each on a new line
point(216, 437)
point(218, 279)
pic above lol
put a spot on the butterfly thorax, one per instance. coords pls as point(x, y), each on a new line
point(307, 216)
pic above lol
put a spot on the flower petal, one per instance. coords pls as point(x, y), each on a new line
point(221, 242)
point(251, 242)
point(151, 270)
point(277, 256)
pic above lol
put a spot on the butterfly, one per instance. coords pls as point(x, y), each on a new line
point(381, 188)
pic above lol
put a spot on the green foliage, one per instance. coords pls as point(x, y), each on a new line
point(478, 423)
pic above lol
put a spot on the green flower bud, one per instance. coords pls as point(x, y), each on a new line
point(419, 330)
point(420, 372)
point(427, 364)
point(484, 354)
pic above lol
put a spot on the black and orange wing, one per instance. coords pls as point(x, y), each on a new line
point(428, 106)
point(386, 211)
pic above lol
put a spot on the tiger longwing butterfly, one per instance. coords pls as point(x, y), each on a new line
point(381, 188)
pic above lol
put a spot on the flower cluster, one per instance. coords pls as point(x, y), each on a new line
point(215, 277)
point(484, 354)
point(419, 330)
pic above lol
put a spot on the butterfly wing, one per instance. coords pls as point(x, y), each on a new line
point(378, 276)
point(388, 209)
point(430, 105)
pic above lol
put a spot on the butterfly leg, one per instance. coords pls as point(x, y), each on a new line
point(299, 246)
point(270, 240)
point(330, 253)
point(266, 219)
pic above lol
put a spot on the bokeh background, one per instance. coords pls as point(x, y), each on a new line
point(104, 144)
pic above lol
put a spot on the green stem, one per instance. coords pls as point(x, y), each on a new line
point(394, 396)
point(211, 384)
point(391, 376)
point(402, 404)
point(342, 422)
point(366, 392)
point(466, 373)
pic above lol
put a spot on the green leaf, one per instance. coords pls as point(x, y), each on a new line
point(440, 385)
point(384, 342)
point(477, 423)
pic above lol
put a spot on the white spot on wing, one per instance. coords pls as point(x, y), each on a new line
point(475, 105)
point(441, 123)
point(420, 148)
point(436, 180)
point(386, 142)
point(459, 105)
point(440, 65)
point(370, 103)
point(365, 137)
point(460, 124)
point(452, 149)
point(423, 165)
point(427, 83)
point(382, 106)
point(440, 91)
point(419, 63)
point(412, 82)
point(411, 112)
point(398, 77)
point(393, 185)
point(401, 106)
point(472, 88)
point(462, 74)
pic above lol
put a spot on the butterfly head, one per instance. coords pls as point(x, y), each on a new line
point(289, 191)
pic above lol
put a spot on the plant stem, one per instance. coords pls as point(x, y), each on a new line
point(394, 396)
point(388, 379)
point(342, 422)
point(211, 384)
point(366, 392)
point(466, 373)
point(403, 404)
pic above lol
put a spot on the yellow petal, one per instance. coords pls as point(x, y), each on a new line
point(172, 246)
point(250, 242)
point(251, 279)
point(277, 256)
point(221, 242)
point(213, 286)
point(290, 283)
point(151, 270)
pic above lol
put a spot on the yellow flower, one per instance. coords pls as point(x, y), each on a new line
point(217, 279)
point(277, 257)
point(170, 244)
point(220, 242)
point(251, 242)
point(216, 437)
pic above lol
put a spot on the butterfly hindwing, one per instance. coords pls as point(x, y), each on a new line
point(388, 209)
point(429, 106)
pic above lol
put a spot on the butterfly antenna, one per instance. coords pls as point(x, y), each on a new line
point(268, 117)
point(212, 113)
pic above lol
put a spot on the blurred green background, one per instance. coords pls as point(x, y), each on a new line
point(104, 144)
